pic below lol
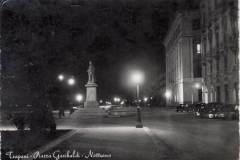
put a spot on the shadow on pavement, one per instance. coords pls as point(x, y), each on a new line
point(23, 142)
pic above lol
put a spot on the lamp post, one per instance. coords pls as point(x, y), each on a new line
point(137, 79)
point(78, 97)
point(198, 87)
point(168, 95)
point(71, 81)
point(145, 100)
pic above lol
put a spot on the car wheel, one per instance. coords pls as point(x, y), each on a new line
point(210, 116)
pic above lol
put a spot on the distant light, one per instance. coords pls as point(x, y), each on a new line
point(122, 102)
point(168, 94)
point(79, 97)
point(101, 101)
point(71, 81)
point(139, 100)
point(145, 99)
point(137, 77)
point(61, 77)
point(151, 97)
point(197, 85)
point(116, 99)
point(198, 48)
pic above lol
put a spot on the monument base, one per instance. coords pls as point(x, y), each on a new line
point(85, 113)
point(91, 104)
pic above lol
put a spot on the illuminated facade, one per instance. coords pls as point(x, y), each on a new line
point(183, 59)
point(219, 39)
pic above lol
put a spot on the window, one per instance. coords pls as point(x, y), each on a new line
point(199, 95)
point(236, 92)
point(217, 40)
point(198, 48)
point(210, 42)
point(204, 19)
point(215, 3)
point(226, 93)
point(225, 63)
point(204, 47)
point(218, 94)
point(196, 24)
point(211, 68)
point(197, 69)
point(217, 65)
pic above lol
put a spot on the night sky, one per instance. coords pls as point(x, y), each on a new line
point(43, 38)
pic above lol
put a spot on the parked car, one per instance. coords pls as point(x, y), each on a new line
point(183, 108)
point(207, 110)
point(197, 108)
point(180, 108)
point(229, 111)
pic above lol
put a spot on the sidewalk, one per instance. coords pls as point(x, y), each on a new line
point(118, 143)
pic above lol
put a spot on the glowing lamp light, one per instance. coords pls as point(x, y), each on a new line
point(61, 77)
point(168, 94)
point(137, 77)
point(116, 99)
point(197, 85)
point(71, 81)
point(145, 99)
point(79, 97)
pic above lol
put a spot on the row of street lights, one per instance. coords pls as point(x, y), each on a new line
point(168, 92)
point(71, 81)
point(136, 78)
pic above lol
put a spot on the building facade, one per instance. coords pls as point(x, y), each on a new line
point(219, 39)
point(183, 59)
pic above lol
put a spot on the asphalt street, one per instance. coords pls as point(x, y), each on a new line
point(166, 135)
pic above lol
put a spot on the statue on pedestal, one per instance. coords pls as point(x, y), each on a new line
point(91, 88)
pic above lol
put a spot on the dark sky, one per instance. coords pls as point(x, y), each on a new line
point(43, 38)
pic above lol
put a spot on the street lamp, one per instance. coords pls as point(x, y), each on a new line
point(137, 78)
point(61, 77)
point(145, 99)
point(197, 86)
point(78, 97)
point(168, 94)
point(116, 99)
point(71, 81)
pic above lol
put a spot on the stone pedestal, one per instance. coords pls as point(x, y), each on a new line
point(91, 96)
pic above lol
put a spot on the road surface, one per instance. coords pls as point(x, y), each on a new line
point(166, 135)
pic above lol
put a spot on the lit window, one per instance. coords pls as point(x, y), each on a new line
point(198, 48)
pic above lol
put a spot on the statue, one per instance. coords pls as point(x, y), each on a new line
point(91, 88)
point(91, 69)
